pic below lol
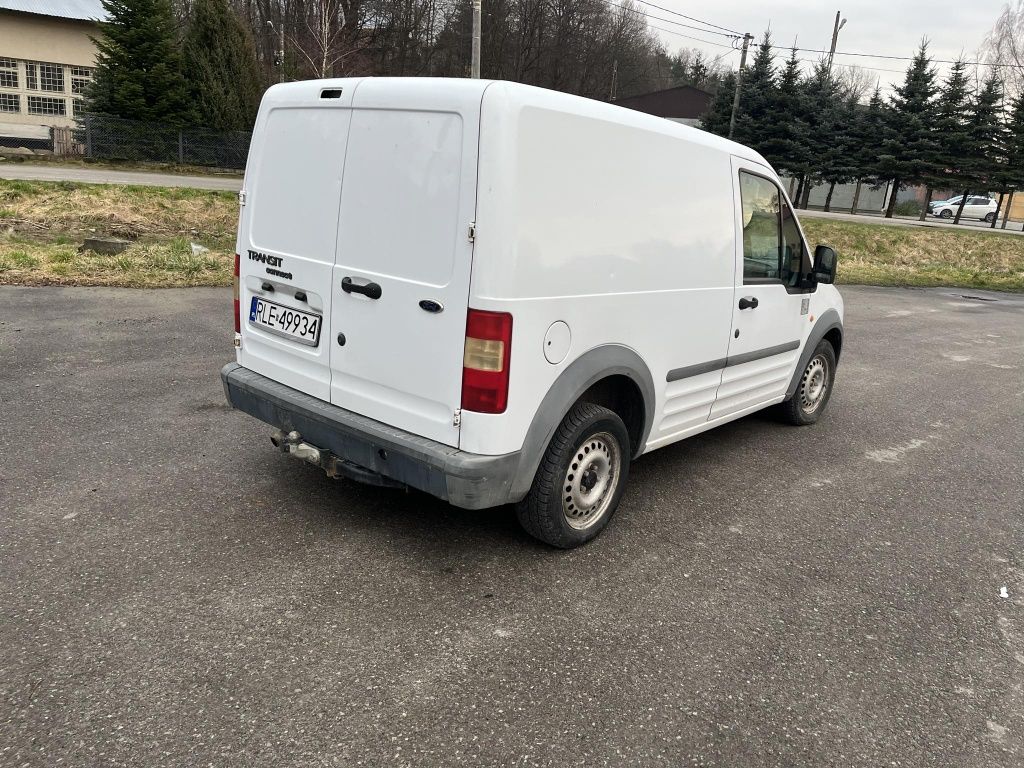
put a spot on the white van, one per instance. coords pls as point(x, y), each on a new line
point(501, 294)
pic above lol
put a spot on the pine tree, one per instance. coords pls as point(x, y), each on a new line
point(698, 71)
point(716, 120)
point(756, 114)
point(824, 140)
point(981, 152)
point(221, 68)
point(138, 67)
point(909, 153)
point(951, 119)
point(1012, 175)
point(869, 127)
point(785, 144)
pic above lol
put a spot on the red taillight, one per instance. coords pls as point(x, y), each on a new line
point(485, 361)
point(238, 300)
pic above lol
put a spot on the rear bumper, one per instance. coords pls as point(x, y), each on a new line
point(466, 480)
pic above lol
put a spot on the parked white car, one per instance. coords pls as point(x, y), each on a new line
point(976, 207)
point(501, 294)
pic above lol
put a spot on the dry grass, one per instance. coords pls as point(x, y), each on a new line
point(42, 223)
point(122, 211)
point(165, 264)
point(876, 254)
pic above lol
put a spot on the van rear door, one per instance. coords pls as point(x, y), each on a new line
point(404, 253)
point(287, 233)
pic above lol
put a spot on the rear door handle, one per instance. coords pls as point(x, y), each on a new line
point(370, 290)
point(748, 302)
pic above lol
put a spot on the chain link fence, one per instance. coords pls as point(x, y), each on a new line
point(114, 138)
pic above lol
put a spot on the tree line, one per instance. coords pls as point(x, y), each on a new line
point(207, 62)
point(957, 134)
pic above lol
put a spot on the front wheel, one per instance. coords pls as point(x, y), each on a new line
point(946, 214)
point(580, 479)
point(814, 389)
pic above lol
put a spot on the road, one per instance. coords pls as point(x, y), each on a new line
point(44, 172)
point(1013, 228)
point(175, 592)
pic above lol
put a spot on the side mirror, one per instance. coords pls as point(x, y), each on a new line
point(824, 270)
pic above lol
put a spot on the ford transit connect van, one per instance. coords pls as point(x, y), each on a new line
point(497, 294)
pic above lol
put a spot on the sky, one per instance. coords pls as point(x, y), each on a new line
point(893, 27)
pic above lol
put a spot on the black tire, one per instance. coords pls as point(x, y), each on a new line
point(553, 510)
point(989, 218)
point(808, 402)
point(946, 214)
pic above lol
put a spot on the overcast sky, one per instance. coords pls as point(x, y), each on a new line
point(892, 27)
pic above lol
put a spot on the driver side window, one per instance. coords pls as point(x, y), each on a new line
point(773, 250)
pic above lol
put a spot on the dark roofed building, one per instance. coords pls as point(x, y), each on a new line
point(682, 104)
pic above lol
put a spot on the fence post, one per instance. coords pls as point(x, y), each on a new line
point(181, 148)
point(88, 135)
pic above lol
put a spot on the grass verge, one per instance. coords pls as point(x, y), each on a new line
point(877, 254)
point(42, 224)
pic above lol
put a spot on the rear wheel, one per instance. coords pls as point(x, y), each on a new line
point(990, 217)
point(580, 479)
point(814, 389)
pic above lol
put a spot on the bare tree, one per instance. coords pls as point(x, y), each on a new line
point(1004, 44)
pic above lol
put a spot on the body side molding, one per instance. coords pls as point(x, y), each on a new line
point(714, 365)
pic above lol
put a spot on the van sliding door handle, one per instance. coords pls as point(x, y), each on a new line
point(370, 290)
point(748, 302)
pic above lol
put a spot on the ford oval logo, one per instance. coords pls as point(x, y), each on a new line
point(429, 305)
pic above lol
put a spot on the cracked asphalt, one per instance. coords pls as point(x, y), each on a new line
point(175, 592)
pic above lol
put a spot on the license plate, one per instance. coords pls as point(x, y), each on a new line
point(303, 327)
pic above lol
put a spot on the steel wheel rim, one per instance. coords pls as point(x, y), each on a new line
point(814, 384)
point(590, 480)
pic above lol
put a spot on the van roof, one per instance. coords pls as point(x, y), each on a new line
point(515, 97)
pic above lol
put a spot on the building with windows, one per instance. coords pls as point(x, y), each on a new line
point(46, 59)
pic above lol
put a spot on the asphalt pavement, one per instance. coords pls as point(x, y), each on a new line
point(57, 172)
point(173, 591)
point(1012, 228)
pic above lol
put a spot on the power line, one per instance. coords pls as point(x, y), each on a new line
point(898, 58)
point(690, 37)
point(691, 18)
point(638, 12)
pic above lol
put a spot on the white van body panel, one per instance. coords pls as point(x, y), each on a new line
point(407, 202)
point(607, 234)
point(292, 189)
point(617, 223)
point(377, 185)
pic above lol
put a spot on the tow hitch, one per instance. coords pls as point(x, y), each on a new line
point(293, 444)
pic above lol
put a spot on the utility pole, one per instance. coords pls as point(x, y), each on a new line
point(615, 79)
point(739, 82)
point(279, 55)
point(474, 70)
point(835, 37)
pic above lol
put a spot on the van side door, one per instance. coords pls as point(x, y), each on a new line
point(770, 301)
